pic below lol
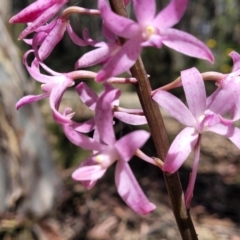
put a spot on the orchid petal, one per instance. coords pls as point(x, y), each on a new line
point(236, 60)
point(30, 99)
point(75, 38)
point(108, 88)
point(144, 11)
point(80, 139)
point(88, 173)
point(235, 137)
point(222, 130)
point(28, 40)
point(84, 127)
point(121, 26)
point(42, 19)
point(121, 61)
point(96, 136)
point(34, 70)
point(53, 38)
point(88, 96)
point(230, 132)
point(130, 191)
point(189, 192)
point(179, 150)
point(128, 144)
point(103, 116)
point(195, 92)
point(235, 111)
point(30, 13)
point(130, 118)
point(235, 74)
point(209, 119)
point(88, 184)
point(55, 98)
point(212, 97)
point(38, 38)
point(227, 95)
point(171, 14)
point(68, 112)
point(88, 40)
point(50, 71)
point(47, 27)
point(174, 107)
point(186, 44)
point(154, 40)
point(96, 56)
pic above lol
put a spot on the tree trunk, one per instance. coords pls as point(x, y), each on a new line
point(28, 179)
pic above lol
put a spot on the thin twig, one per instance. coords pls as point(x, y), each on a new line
point(207, 76)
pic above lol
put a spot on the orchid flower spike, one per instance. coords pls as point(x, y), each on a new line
point(109, 150)
point(198, 118)
point(37, 14)
point(150, 30)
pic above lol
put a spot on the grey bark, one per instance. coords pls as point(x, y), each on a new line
point(28, 180)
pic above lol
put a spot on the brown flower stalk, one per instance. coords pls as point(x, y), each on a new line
point(160, 139)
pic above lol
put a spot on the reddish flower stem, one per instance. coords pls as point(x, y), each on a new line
point(207, 76)
point(79, 10)
point(80, 74)
point(160, 139)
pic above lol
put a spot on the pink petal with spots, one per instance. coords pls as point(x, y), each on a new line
point(171, 14)
point(53, 38)
point(30, 99)
point(186, 44)
point(121, 26)
point(81, 140)
point(179, 150)
point(129, 144)
point(130, 118)
point(175, 107)
point(195, 92)
point(104, 117)
point(130, 191)
point(122, 60)
point(144, 11)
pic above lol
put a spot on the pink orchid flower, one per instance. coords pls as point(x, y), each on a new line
point(199, 118)
point(109, 150)
point(37, 14)
point(53, 87)
point(150, 30)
